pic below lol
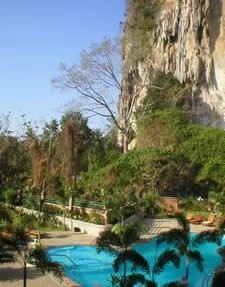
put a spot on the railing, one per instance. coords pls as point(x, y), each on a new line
point(88, 204)
point(52, 200)
point(207, 281)
point(61, 262)
point(88, 266)
point(95, 267)
point(83, 203)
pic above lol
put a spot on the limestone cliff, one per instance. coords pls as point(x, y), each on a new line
point(188, 40)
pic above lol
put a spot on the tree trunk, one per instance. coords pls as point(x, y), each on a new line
point(125, 273)
point(71, 211)
point(39, 225)
point(125, 142)
point(39, 218)
point(186, 271)
point(64, 223)
point(42, 200)
point(25, 275)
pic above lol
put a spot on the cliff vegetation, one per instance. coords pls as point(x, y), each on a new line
point(174, 156)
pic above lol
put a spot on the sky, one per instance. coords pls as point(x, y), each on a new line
point(35, 37)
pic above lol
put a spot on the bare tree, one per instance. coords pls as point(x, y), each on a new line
point(97, 82)
point(5, 124)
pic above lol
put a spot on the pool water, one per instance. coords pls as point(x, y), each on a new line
point(84, 265)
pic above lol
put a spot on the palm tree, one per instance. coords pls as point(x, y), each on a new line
point(219, 274)
point(5, 254)
point(118, 243)
point(184, 242)
point(138, 262)
point(18, 241)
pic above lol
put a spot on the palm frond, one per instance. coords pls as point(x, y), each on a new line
point(40, 259)
point(183, 222)
point(174, 236)
point(173, 284)
point(150, 283)
point(221, 252)
point(5, 213)
point(108, 241)
point(135, 278)
point(221, 227)
point(218, 279)
point(168, 256)
point(134, 257)
point(197, 257)
point(15, 240)
point(131, 234)
point(116, 281)
point(208, 236)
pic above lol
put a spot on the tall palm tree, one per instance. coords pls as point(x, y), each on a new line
point(219, 274)
point(18, 241)
point(184, 242)
point(118, 244)
point(5, 254)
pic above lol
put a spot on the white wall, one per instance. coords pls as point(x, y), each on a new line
point(85, 227)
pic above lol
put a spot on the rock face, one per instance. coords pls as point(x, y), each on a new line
point(187, 40)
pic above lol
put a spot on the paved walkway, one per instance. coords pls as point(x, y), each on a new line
point(67, 238)
point(11, 276)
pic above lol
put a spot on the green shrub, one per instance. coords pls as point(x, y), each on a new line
point(217, 201)
point(11, 196)
point(96, 218)
point(22, 220)
point(202, 147)
point(192, 203)
point(151, 204)
point(164, 92)
point(139, 172)
point(53, 210)
point(76, 214)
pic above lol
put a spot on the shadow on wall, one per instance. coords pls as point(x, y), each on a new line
point(214, 22)
point(202, 113)
point(214, 29)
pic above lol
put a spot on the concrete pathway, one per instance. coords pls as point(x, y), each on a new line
point(156, 226)
point(67, 238)
point(11, 275)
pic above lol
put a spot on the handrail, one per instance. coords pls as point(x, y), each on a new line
point(87, 203)
point(83, 267)
point(79, 202)
point(207, 279)
point(62, 255)
point(94, 267)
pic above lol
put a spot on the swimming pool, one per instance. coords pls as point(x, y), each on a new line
point(84, 265)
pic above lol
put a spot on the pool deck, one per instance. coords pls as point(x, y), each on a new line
point(156, 226)
point(11, 275)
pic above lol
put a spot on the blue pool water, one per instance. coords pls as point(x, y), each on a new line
point(90, 269)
